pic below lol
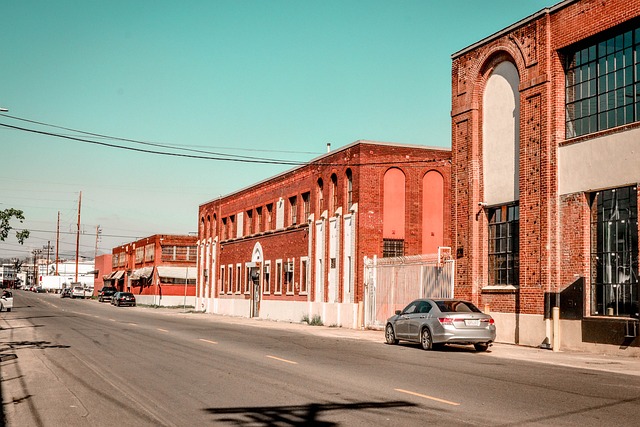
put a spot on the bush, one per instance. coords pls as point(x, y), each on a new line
point(315, 321)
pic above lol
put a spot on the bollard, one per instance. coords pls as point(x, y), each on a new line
point(556, 328)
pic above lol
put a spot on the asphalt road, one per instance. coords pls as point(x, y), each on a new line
point(84, 363)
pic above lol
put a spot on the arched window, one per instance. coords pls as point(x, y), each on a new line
point(349, 176)
point(320, 196)
point(393, 216)
point(334, 193)
point(432, 212)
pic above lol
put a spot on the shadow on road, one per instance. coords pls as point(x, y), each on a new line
point(295, 415)
point(18, 345)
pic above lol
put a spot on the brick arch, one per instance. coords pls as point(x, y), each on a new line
point(489, 62)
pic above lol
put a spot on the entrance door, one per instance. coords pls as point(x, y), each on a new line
point(254, 282)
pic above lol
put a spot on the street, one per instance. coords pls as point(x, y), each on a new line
point(80, 363)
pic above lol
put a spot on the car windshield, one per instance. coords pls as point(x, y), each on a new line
point(126, 294)
point(457, 307)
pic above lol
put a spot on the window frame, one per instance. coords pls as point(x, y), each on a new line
point(503, 249)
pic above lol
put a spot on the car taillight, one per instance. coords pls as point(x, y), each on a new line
point(489, 321)
point(447, 320)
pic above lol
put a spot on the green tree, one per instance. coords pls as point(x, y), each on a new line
point(5, 227)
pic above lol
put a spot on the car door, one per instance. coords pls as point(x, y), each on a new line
point(417, 319)
point(404, 318)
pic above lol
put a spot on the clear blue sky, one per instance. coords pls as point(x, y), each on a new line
point(276, 79)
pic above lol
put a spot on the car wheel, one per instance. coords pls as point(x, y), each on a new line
point(481, 346)
point(389, 335)
point(425, 339)
point(8, 309)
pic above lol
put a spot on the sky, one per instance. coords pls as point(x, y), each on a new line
point(217, 85)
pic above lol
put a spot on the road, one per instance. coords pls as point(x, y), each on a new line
point(83, 363)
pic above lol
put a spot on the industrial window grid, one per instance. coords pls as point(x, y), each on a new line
point(392, 248)
point(614, 252)
point(603, 82)
point(504, 247)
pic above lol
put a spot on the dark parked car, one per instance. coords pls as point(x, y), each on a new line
point(66, 293)
point(123, 298)
point(441, 321)
point(106, 293)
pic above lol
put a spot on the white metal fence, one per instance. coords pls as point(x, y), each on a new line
point(392, 283)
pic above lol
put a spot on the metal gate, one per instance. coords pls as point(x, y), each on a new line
point(392, 283)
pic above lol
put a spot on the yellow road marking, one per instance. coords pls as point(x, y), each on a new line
point(162, 330)
point(424, 396)
point(113, 320)
point(133, 324)
point(210, 342)
point(282, 360)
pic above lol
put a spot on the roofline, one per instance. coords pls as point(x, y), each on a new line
point(546, 10)
point(317, 159)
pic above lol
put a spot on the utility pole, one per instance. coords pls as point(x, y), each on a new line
point(48, 251)
point(98, 233)
point(57, 241)
point(78, 235)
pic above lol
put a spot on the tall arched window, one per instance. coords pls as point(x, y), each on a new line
point(334, 193)
point(393, 216)
point(349, 176)
point(320, 196)
point(432, 212)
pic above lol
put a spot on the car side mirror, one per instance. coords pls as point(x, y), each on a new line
point(398, 312)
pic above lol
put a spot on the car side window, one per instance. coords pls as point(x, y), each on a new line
point(411, 308)
point(425, 307)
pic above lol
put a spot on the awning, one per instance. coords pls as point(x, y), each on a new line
point(117, 275)
point(107, 276)
point(141, 273)
point(177, 272)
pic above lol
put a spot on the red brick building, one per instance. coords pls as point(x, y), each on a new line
point(293, 245)
point(102, 269)
point(159, 269)
point(545, 143)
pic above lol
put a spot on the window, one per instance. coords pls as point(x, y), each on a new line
point(289, 276)
point(232, 225)
point(614, 252)
point(139, 254)
point(392, 248)
point(230, 279)
point(266, 274)
point(306, 206)
point(269, 222)
point(602, 90)
point(504, 251)
point(258, 220)
point(249, 222)
point(224, 229)
point(349, 189)
point(304, 279)
point(238, 285)
point(278, 289)
point(149, 252)
point(293, 210)
point(320, 197)
point(223, 284)
point(334, 193)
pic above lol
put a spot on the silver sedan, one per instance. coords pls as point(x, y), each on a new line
point(441, 321)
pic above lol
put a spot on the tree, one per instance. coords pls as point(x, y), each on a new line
point(5, 227)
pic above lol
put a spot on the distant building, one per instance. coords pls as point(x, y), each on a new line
point(7, 276)
point(159, 269)
point(102, 269)
point(292, 246)
point(545, 143)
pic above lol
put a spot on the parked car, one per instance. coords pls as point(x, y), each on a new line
point(77, 292)
point(106, 293)
point(441, 321)
point(123, 298)
point(66, 293)
point(6, 301)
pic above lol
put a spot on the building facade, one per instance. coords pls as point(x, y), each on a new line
point(545, 143)
point(159, 269)
point(292, 247)
point(102, 269)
